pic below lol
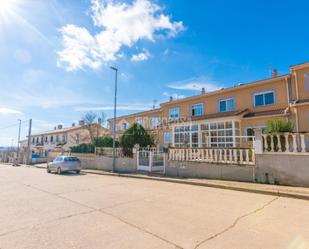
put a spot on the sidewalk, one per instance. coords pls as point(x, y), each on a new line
point(266, 189)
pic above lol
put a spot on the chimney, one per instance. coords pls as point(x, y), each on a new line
point(55, 128)
point(275, 73)
point(81, 122)
point(171, 98)
point(59, 126)
point(203, 91)
point(73, 124)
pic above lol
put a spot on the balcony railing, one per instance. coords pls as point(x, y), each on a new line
point(239, 156)
point(286, 142)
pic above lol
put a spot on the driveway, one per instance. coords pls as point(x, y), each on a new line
point(40, 210)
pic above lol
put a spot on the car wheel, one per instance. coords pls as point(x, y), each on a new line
point(77, 171)
point(58, 170)
point(48, 170)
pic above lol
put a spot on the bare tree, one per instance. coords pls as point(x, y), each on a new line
point(93, 122)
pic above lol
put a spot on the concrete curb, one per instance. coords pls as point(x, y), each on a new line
point(301, 196)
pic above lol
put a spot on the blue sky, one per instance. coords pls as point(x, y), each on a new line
point(55, 55)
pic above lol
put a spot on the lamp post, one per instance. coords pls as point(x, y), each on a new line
point(18, 141)
point(114, 123)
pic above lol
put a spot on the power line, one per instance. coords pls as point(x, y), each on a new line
point(13, 125)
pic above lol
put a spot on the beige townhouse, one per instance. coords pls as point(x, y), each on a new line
point(62, 138)
point(222, 118)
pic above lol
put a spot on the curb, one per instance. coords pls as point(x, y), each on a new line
point(210, 185)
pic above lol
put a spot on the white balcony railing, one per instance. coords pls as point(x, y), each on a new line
point(286, 143)
point(239, 156)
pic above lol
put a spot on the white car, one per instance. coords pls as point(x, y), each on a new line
point(63, 164)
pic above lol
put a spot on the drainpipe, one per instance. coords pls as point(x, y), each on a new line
point(287, 90)
point(296, 86)
point(297, 121)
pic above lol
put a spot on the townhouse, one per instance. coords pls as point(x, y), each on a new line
point(222, 118)
point(62, 138)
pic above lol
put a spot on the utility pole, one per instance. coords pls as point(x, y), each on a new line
point(114, 122)
point(29, 144)
point(18, 140)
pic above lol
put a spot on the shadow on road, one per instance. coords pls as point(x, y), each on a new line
point(69, 174)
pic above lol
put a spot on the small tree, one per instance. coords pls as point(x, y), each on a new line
point(279, 126)
point(93, 123)
point(136, 134)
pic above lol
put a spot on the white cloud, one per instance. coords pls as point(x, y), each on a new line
point(195, 84)
point(4, 110)
point(174, 95)
point(143, 56)
point(121, 24)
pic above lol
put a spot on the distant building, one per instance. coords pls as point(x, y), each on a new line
point(63, 138)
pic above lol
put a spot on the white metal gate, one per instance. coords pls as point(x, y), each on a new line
point(150, 160)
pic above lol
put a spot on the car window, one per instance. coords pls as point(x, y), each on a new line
point(58, 159)
point(66, 159)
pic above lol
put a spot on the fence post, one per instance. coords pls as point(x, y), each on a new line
point(258, 141)
point(294, 143)
point(150, 160)
point(287, 144)
point(303, 144)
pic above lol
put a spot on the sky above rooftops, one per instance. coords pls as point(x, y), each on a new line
point(55, 55)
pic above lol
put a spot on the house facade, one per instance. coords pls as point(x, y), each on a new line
point(61, 138)
point(224, 117)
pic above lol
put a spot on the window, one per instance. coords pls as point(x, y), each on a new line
point(63, 138)
point(140, 121)
point(51, 139)
point(154, 122)
point(77, 138)
point(227, 105)
point(57, 138)
point(33, 139)
point(197, 110)
point(186, 136)
point(262, 99)
point(167, 136)
point(174, 113)
point(220, 134)
point(125, 125)
point(306, 80)
point(46, 139)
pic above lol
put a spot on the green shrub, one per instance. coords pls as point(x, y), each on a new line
point(136, 134)
point(279, 126)
point(104, 142)
point(83, 148)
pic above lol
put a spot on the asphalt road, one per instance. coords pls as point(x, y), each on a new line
point(40, 210)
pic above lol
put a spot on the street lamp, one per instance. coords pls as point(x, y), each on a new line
point(114, 123)
point(18, 141)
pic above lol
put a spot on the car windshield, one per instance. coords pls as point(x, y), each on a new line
point(58, 159)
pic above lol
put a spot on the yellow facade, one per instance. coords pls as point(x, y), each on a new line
point(249, 106)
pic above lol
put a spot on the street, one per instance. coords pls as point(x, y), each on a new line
point(40, 210)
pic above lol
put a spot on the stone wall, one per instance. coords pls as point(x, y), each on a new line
point(285, 169)
point(210, 171)
point(123, 164)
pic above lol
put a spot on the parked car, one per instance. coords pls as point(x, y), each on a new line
point(63, 164)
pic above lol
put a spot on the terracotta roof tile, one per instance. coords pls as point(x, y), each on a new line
point(266, 113)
